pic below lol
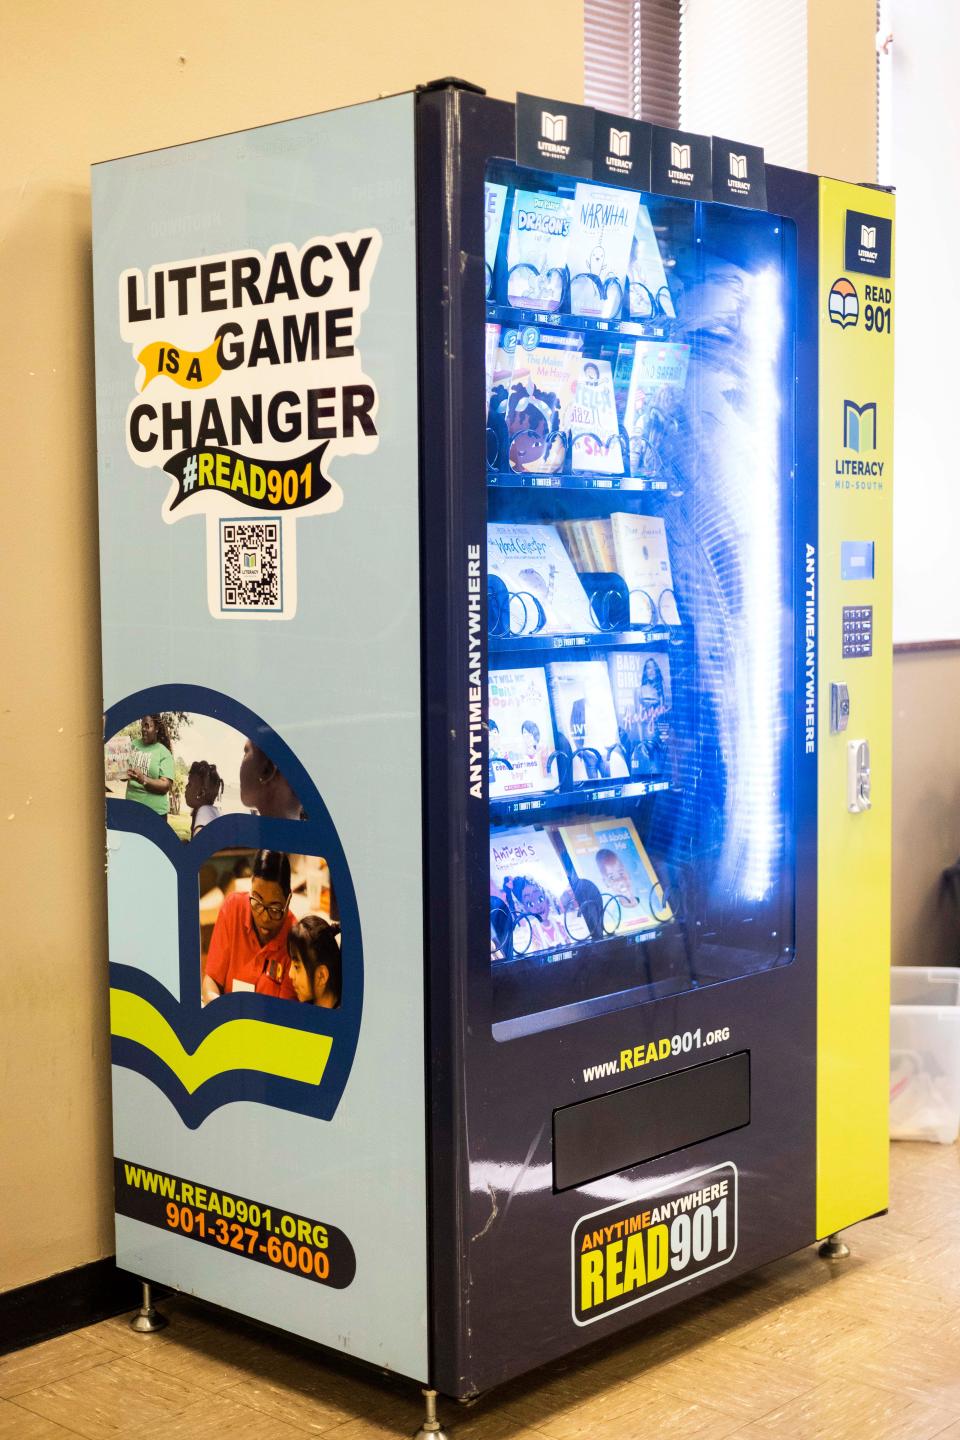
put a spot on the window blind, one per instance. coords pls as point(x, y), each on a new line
point(631, 53)
point(743, 74)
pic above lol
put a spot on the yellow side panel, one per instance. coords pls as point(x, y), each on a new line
point(856, 475)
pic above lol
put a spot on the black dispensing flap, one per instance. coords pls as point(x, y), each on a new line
point(627, 1127)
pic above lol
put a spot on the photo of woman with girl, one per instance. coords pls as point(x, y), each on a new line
point(190, 769)
point(262, 930)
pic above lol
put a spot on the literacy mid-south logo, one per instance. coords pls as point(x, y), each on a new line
point(620, 143)
point(738, 166)
point(859, 426)
point(843, 306)
point(553, 127)
point(868, 237)
point(679, 156)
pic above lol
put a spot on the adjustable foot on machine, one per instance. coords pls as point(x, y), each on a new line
point(147, 1319)
point(833, 1248)
point(431, 1428)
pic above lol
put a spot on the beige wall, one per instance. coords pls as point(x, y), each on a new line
point(926, 804)
point(84, 83)
point(842, 89)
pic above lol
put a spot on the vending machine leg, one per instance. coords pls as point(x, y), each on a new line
point(431, 1428)
point(147, 1319)
point(833, 1248)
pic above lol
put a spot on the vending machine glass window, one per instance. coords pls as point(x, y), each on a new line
point(640, 469)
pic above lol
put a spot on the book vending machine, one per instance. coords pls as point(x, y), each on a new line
point(495, 555)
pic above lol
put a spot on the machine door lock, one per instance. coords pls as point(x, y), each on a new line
point(839, 707)
point(858, 776)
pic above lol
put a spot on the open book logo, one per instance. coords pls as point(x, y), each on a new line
point(868, 237)
point(679, 156)
point(259, 1048)
point(859, 426)
point(620, 143)
point(738, 166)
point(553, 127)
point(843, 306)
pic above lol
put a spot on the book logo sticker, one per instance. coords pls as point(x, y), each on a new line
point(868, 244)
point(553, 127)
point(248, 384)
point(738, 166)
point(859, 426)
point(843, 306)
point(620, 143)
point(679, 156)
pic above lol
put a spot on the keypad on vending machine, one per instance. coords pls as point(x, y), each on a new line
point(857, 631)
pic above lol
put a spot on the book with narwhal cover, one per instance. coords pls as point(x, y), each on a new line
point(521, 733)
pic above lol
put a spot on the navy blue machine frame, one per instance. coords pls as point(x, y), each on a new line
point(500, 1254)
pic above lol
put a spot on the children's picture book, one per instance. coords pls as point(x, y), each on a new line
point(591, 421)
point(494, 197)
point(653, 375)
point(541, 390)
point(528, 877)
point(119, 756)
point(537, 246)
point(647, 273)
point(643, 559)
point(611, 854)
point(521, 733)
point(601, 236)
point(547, 597)
point(640, 682)
point(585, 720)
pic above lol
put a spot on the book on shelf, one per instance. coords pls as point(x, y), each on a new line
point(642, 699)
point(537, 246)
point(601, 236)
point(643, 559)
point(652, 376)
point(591, 420)
point(541, 389)
point(521, 733)
point(494, 197)
point(546, 594)
point(528, 883)
point(610, 854)
point(585, 720)
point(590, 545)
point(647, 270)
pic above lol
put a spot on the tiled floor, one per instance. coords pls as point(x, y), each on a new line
point(867, 1349)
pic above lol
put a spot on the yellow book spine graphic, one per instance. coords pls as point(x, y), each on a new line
point(235, 1045)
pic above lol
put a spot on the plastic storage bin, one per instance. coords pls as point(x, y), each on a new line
point(924, 1053)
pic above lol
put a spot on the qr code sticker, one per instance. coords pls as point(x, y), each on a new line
point(251, 573)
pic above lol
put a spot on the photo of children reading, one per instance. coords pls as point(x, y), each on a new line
point(268, 921)
point(190, 769)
